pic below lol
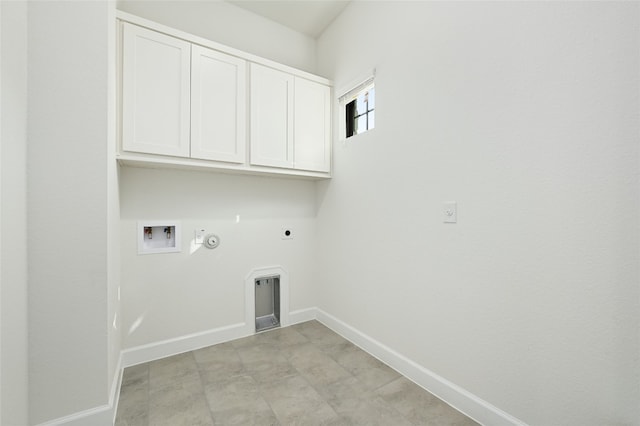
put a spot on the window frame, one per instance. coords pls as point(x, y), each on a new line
point(364, 86)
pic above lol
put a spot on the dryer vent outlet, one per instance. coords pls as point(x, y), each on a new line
point(267, 299)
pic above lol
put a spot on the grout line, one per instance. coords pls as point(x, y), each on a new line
point(261, 394)
point(204, 392)
point(148, 394)
point(307, 380)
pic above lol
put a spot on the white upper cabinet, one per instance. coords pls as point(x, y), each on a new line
point(218, 106)
point(312, 126)
point(290, 121)
point(190, 102)
point(155, 92)
point(271, 117)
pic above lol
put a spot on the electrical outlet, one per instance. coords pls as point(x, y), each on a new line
point(287, 234)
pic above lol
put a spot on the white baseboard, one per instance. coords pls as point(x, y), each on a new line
point(98, 416)
point(114, 396)
point(103, 415)
point(459, 398)
point(178, 345)
point(190, 342)
point(302, 315)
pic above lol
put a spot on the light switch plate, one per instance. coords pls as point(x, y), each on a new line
point(199, 236)
point(450, 212)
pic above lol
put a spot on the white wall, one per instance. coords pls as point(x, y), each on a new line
point(114, 317)
point(13, 214)
point(171, 295)
point(70, 198)
point(526, 114)
point(230, 25)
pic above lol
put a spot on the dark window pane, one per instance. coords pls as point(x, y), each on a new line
point(350, 118)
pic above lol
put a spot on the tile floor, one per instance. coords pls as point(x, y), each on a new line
point(304, 374)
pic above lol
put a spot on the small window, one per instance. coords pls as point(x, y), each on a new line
point(360, 114)
point(358, 108)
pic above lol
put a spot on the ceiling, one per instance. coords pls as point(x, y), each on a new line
point(309, 17)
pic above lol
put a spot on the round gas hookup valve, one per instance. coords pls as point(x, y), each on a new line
point(211, 241)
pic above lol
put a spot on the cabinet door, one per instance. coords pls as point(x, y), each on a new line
point(155, 92)
point(218, 106)
point(312, 127)
point(271, 117)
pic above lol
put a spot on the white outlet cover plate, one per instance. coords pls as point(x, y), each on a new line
point(199, 236)
point(450, 212)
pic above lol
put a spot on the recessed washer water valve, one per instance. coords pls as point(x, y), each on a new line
point(211, 241)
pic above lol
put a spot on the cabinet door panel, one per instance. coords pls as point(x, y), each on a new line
point(271, 117)
point(218, 106)
point(312, 128)
point(155, 100)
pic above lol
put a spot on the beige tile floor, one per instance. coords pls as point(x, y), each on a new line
point(304, 374)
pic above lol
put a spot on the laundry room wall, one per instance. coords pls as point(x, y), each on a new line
point(72, 223)
point(526, 115)
point(14, 407)
point(230, 25)
point(173, 295)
